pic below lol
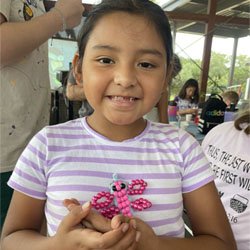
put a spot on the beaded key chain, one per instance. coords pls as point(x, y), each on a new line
point(117, 200)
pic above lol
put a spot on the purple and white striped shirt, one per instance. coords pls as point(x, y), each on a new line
point(72, 160)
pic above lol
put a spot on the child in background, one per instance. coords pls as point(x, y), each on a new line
point(188, 98)
point(227, 148)
point(230, 97)
point(122, 79)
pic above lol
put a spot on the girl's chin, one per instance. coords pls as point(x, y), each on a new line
point(123, 120)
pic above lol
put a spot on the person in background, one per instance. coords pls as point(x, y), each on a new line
point(227, 149)
point(160, 112)
point(25, 28)
point(74, 92)
point(230, 97)
point(188, 98)
point(99, 155)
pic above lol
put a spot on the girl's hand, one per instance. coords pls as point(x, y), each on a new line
point(147, 238)
point(93, 220)
point(99, 233)
point(71, 236)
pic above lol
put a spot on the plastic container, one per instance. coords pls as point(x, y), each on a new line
point(172, 111)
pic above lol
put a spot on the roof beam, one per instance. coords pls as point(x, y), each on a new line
point(204, 18)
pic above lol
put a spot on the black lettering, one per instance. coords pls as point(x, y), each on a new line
point(246, 167)
point(244, 183)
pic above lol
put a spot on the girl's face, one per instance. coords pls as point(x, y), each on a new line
point(190, 92)
point(124, 69)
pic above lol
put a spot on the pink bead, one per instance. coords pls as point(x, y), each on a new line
point(120, 206)
point(129, 215)
point(127, 202)
point(118, 200)
point(115, 193)
point(124, 191)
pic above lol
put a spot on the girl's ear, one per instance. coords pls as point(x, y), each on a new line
point(77, 69)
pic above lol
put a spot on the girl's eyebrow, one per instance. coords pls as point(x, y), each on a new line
point(141, 51)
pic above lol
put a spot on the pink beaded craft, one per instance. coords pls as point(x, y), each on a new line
point(117, 201)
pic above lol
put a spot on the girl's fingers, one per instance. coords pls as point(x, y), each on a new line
point(98, 222)
point(118, 220)
point(75, 216)
point(121, 238)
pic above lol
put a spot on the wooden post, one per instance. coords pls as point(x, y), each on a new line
point(207, 48)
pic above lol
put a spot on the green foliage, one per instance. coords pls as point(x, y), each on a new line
point(218, 73)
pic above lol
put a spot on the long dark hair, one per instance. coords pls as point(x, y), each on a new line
point(146, 8)
point(244, 117)
point(190, 83)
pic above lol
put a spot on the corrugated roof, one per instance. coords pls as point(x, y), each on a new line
point(235, 10)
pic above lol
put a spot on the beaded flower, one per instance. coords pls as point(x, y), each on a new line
point(117, 200)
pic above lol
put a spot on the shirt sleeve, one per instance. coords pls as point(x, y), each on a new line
point(197, 171)
point(5, 8)
point(29, 175)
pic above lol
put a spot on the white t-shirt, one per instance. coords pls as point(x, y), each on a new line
point(25, 89)
point(72, 160)
point(228, 151)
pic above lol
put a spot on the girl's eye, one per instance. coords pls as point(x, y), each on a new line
point(106, 61)
point(146, 65)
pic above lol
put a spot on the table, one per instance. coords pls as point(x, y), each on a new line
point(190, 127)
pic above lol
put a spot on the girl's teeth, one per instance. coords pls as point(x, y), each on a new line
point(120, 98)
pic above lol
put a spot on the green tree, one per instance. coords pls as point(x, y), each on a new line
point(241, 71)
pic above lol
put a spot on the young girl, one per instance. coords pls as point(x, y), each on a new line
point(188, 98)
point(124, 52)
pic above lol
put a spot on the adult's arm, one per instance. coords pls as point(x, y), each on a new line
point(18, 39)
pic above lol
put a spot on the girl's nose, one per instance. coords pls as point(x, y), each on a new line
point(125, 76)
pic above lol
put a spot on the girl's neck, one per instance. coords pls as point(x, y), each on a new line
point(188, 98)
point(116, 132)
